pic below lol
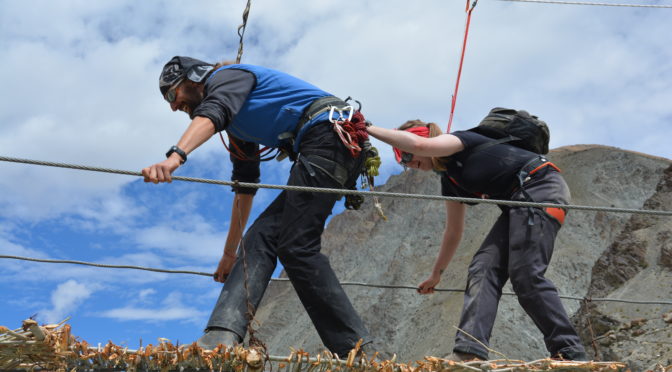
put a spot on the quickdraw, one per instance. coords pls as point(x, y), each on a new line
point(350, 125)
point(371, 166)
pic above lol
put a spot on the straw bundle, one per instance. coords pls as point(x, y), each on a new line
point(53, 348)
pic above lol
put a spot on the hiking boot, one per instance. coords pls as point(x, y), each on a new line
point(457, 356)
point(214, 337)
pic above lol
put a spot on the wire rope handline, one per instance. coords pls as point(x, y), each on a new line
point(592, 3)
point(453, 100)
point(513, 203)
point(344, 283)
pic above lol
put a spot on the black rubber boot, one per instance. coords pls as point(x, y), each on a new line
point(214, 337)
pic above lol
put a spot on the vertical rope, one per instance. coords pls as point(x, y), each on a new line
point(587, 304)
point(241, 31)
point(254, 341)
point(251, 310)
point(459, 70)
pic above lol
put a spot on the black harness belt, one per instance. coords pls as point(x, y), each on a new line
point(534, 166)
point(318, 106)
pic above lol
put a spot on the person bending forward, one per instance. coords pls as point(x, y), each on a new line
point(519, 245)
point(257, 105)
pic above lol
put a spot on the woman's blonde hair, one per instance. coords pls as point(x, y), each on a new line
point(434, 131)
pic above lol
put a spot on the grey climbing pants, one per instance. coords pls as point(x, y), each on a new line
point(290, 230)
point(519, 247)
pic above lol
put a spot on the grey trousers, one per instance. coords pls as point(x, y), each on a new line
point(517, 250)
point(290, 230)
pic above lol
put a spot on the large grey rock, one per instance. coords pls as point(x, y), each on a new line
point(365, 248)
point(635, 267)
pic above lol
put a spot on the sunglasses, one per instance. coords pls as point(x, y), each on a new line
point(406, 157)
point(171, 94)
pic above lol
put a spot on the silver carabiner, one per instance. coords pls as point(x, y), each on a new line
point(331, 115)
point(351, 111)
point(340, 111)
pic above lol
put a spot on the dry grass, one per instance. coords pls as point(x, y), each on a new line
point(53, 348)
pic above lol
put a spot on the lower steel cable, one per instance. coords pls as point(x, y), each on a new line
point(356, 284)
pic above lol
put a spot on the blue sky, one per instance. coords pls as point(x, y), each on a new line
point(80, 86)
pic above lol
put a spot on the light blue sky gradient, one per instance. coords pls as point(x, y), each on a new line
point(79, 82)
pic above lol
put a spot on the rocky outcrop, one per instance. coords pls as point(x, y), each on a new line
point(636, 266)
point(665, 241)
point(597, 254)
point(622, 261)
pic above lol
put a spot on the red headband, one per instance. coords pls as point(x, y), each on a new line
point(418, 131)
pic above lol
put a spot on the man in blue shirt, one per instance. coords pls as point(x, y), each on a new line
point(257, 105)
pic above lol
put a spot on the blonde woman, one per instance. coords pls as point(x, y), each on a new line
point(519, 245)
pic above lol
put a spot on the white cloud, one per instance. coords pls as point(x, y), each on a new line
point(145, 294)
point(12, 249)
point(171, 309)
point(14, 269)
point(66, 299)
point(201, 244)
point(84, 91)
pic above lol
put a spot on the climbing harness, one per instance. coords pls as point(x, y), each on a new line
point(525, 174)
point(317, 107)
point(459, 70)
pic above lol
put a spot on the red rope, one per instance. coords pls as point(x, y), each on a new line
point(237, 152)
point(352, 132)
point(459, 70)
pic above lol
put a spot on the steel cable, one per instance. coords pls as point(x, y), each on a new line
point(344, 283)
point(347, 191)
point(593, 3)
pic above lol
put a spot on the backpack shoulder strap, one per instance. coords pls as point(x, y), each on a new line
point(486, 145)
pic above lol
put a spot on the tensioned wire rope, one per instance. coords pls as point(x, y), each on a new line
point(344, 283)
point(329, 190)
point(512, 203)
point(557, 2)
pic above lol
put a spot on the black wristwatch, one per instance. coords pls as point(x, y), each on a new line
point(179, 151)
